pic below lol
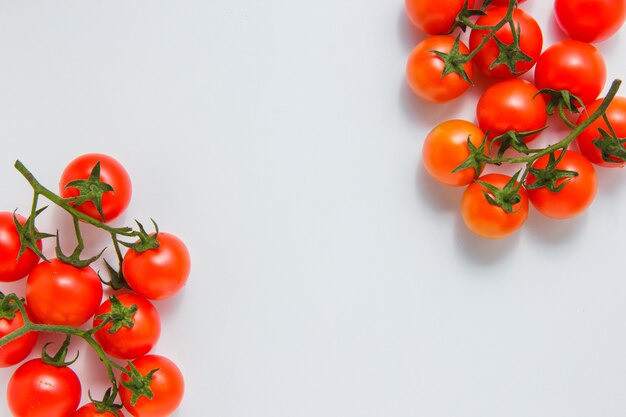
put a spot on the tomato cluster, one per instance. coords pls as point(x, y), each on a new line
point(64, 293)
point(505, 42)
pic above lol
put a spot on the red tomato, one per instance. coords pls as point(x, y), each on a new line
point(89, 410)
point(445, 148)
point(616, 113)
point(434, 17)
point(530, 41)
point(59, 293)
point(130, 343)
point(168, 387)
point(590, 20)
point(111, 172)
point(575, 66)
point(488, 220)
point(37, 389)
point(424, 69)
point(574, 197)
point(17, 350)
point(10, 269)
point(158, 273)
point(511, 105)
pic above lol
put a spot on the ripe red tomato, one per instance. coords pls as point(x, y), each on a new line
point(488, 220)
point(168, 387)
point(133, 342)
point(616, 113)
point(424, 69)
point(89, 410)
point(158, 273)
point(434, 17)
point(37, 389)
point(111, 172)
point(10, 269)
point(445, 148)
point(59, 293)
point(530, 41)
point(590, 20)
point(511, 105)
point(575, 66)
point(574, 197)
point(17, 350)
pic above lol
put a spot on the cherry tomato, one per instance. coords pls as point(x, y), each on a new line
point(111, 172)
point(590, 20)
point(575, 66)
point(511, 105)
point(59, 293)
point(434, 17)
point(616, 113)
point(17, 350)
point(530, 41)
point(168, 387)
point(37, 389)
point(10, 269)
point(574, 197)
point(89, 410)
point(424, 69)
point(158, 273)
point(445, 148)
point(133, 342)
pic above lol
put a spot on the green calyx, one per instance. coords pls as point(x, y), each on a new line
point(58, 359)
point(476, 158)
point(8, 308)
point(454, 61)
point(611, 146)
point(107, 405)
point(120, 315)
point(139, 384)
point(29, 236)
point(506, 197)
point(146, 241)
point(550, 177)
point(91, 189)
point(514, 140)
point(510, 54)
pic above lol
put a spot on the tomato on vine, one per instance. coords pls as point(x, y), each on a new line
point(591, 140)
point(17, 350)
point(11, 268)
point(590, 21)
point(435, 17)
point(89, 410)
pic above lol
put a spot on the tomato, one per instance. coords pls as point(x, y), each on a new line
point(445, 148)
point(488, 220)
point(37, 389)
point(574, 197)
point(530, 41)
point(10, 269)
point(133, 342)
point(616, 113)
point(434, 17)
point(511, 105)
point(111, 172)
point(158, 273)
point(168, 387)
point(590, 20)
point(17, 350)
point(575, 66)
point(424, 69)
point(59, 293)
point(89, 410)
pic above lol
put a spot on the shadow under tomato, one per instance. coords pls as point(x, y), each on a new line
point(438, 196)
point(483, 251)
point(407, 32)
point(550, 231)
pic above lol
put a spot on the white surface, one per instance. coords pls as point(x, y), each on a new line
point(330, 276)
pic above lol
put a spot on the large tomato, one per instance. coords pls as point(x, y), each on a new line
point(424, 70)
point(575, 196)
point(17, 350)
point(434, 17)
point(530, 42)
point(89, 410)
point(616, 113)
point(12, 269)
point(111, 172)
point(590, 20)
point(575, 66)
point(59, 293)
point(37, 389)
point(168, 387)
point(445, 148)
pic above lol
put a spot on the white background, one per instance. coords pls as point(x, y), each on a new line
point(331, 277)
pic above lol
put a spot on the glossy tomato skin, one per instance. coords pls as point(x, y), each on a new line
point(571, 65)
point(487, 220)
point(445, 148)
point(111, 172)
point(434, 17)
point(167, 385)
point(37, 389)
point(575, 196)
point(531, 41)
point(10, 269)
point(17, 350)
point(616, 113)
point(89, 410)
point(130, 343)
point(158, 273)
point(59, 293)
point(424, 69)
point(590, 20)
point(511, 105)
